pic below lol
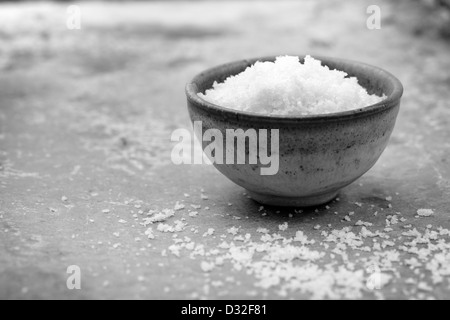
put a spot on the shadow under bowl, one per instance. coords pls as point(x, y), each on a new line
point(318, 154)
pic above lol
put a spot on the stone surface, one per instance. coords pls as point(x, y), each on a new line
point(85, 123)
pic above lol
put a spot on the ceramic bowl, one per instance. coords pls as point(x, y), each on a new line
point(318, 154)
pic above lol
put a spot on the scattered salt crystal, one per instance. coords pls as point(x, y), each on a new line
point(425, 212)
point(159, 217)
point(207, 266)
point(175, 250)
point(283, 227)
point(233, 230)
point(302, 238)
point(177, 227)
point(387, 244)
point(193, 214)
point(149, 233)
point(424, 286)
point(363, 223)
point(178, 206)
point(210, 232)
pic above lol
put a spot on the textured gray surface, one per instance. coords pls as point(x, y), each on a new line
point(88, 115)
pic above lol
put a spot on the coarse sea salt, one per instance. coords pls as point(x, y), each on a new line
point(350, 261)
point(425, 212)
point(288, 87)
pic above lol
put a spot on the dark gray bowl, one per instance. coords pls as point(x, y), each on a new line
point(318, 154)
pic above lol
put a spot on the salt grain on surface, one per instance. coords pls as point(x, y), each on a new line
point(287, 263)
point(425, 212)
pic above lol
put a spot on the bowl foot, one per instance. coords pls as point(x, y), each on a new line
point(293, 201)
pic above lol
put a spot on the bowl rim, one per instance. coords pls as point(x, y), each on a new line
point(391, 100)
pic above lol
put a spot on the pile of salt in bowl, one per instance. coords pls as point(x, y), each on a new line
point(287, 87)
